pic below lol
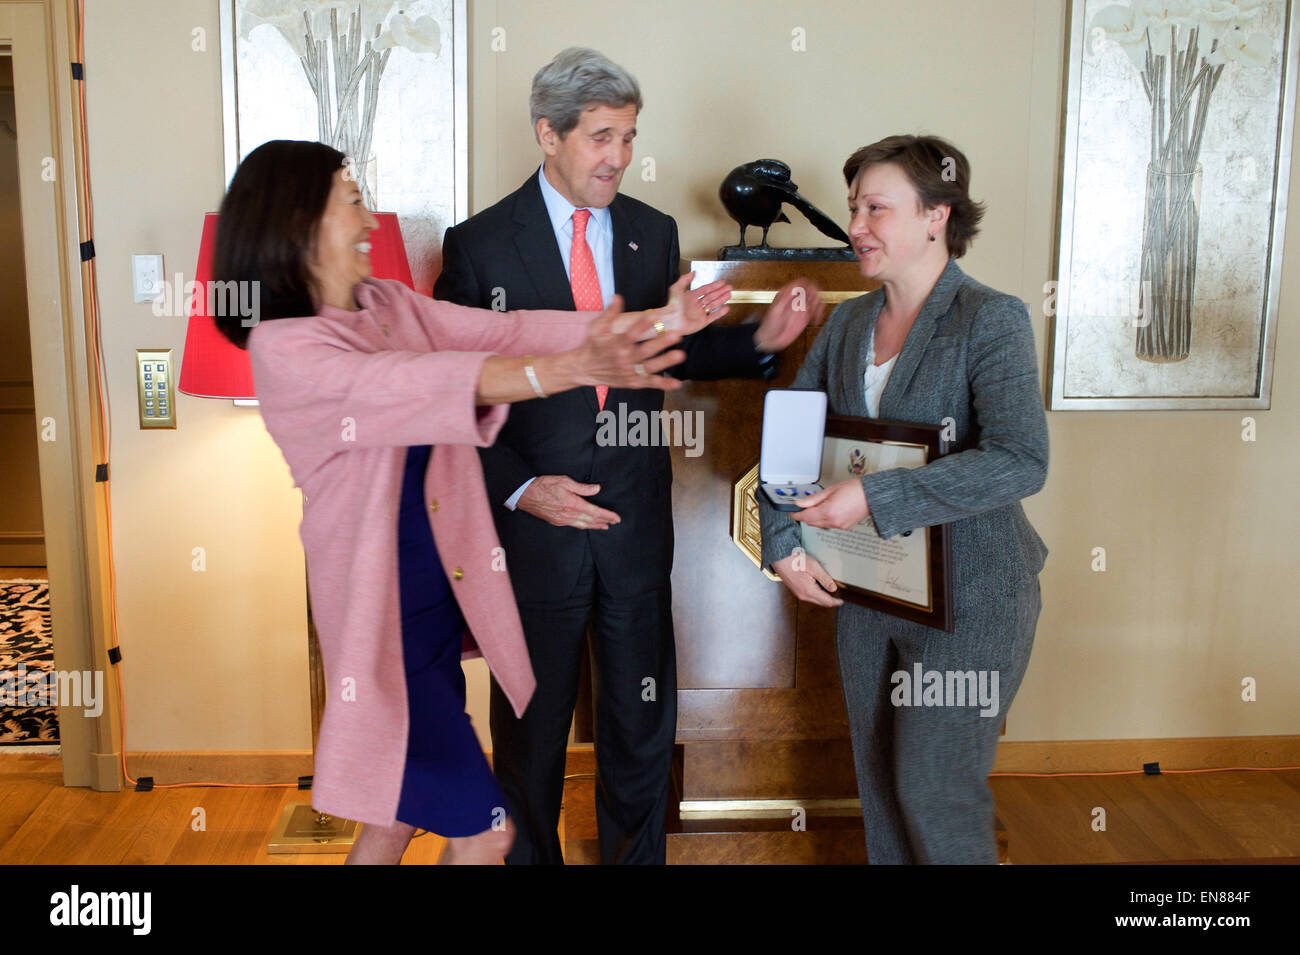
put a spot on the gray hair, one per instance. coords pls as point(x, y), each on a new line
point(575, 79)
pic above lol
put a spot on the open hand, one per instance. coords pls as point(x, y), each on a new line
point(688, 310)
point(624, 351)
point(798, 305)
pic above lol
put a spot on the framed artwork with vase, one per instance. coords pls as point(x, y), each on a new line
point(382, 81)
point(1177, 151)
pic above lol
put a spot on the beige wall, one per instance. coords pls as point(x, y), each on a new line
point(214, 659)
point(1198, 525)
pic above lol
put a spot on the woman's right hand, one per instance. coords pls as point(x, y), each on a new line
point(619, 358)
point(622, 351)
point(806, 579)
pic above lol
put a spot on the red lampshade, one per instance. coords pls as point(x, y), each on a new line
point(211, 366)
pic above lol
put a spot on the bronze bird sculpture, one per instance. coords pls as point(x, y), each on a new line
point(753, 194)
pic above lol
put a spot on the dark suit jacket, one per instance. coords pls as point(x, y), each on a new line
point(507, 257)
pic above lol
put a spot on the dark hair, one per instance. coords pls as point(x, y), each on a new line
point(266, 228)
point(938, 172)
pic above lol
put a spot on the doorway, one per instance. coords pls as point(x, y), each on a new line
point(24, 581)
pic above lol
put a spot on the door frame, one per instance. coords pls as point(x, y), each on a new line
point(41, 36)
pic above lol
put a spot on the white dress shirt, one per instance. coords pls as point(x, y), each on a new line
point(875, 378)
point(600, 239)
point(600, 234)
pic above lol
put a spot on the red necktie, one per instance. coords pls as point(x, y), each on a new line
point(584, 281)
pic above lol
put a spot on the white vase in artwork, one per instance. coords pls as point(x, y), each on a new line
point(1170, 227)
point(344, 47)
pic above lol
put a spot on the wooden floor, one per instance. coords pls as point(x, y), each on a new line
point(1208, 817)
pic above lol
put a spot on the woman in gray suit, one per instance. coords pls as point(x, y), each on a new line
point(931, 345)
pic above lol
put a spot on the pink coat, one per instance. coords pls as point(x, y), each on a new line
point(344, 394)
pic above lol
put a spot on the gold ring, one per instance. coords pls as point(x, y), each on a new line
point(659, 328)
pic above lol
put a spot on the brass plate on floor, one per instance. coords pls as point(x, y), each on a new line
point(302, 829)
point(765, 808)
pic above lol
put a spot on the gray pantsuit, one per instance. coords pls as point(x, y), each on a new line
point(969, 358)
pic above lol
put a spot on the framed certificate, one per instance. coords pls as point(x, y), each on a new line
point(909, 575)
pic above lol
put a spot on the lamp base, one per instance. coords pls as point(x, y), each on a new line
point(302, 829)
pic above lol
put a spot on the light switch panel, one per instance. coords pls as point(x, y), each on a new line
point(147, 276)
point(154, 381)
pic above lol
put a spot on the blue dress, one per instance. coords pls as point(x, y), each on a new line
point(447, 786)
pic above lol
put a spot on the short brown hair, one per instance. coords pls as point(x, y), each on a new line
point(938, 172)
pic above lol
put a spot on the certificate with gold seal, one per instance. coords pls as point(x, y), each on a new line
point(908, 575)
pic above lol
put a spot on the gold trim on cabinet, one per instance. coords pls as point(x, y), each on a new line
point(746, 297)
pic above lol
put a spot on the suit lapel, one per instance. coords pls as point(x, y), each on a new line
point(918, 338)
point(629, 262)
point(538, 250)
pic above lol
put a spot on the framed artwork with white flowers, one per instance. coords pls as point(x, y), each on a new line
point(1177, 152)
point(383, 81)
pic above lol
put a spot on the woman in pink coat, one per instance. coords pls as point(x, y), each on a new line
point(356, 377)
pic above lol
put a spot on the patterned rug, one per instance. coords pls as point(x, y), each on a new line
point(26, 653)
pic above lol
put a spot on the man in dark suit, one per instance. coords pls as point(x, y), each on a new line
point(586, 526)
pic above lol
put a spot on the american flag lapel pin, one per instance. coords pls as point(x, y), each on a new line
point(632, 246)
